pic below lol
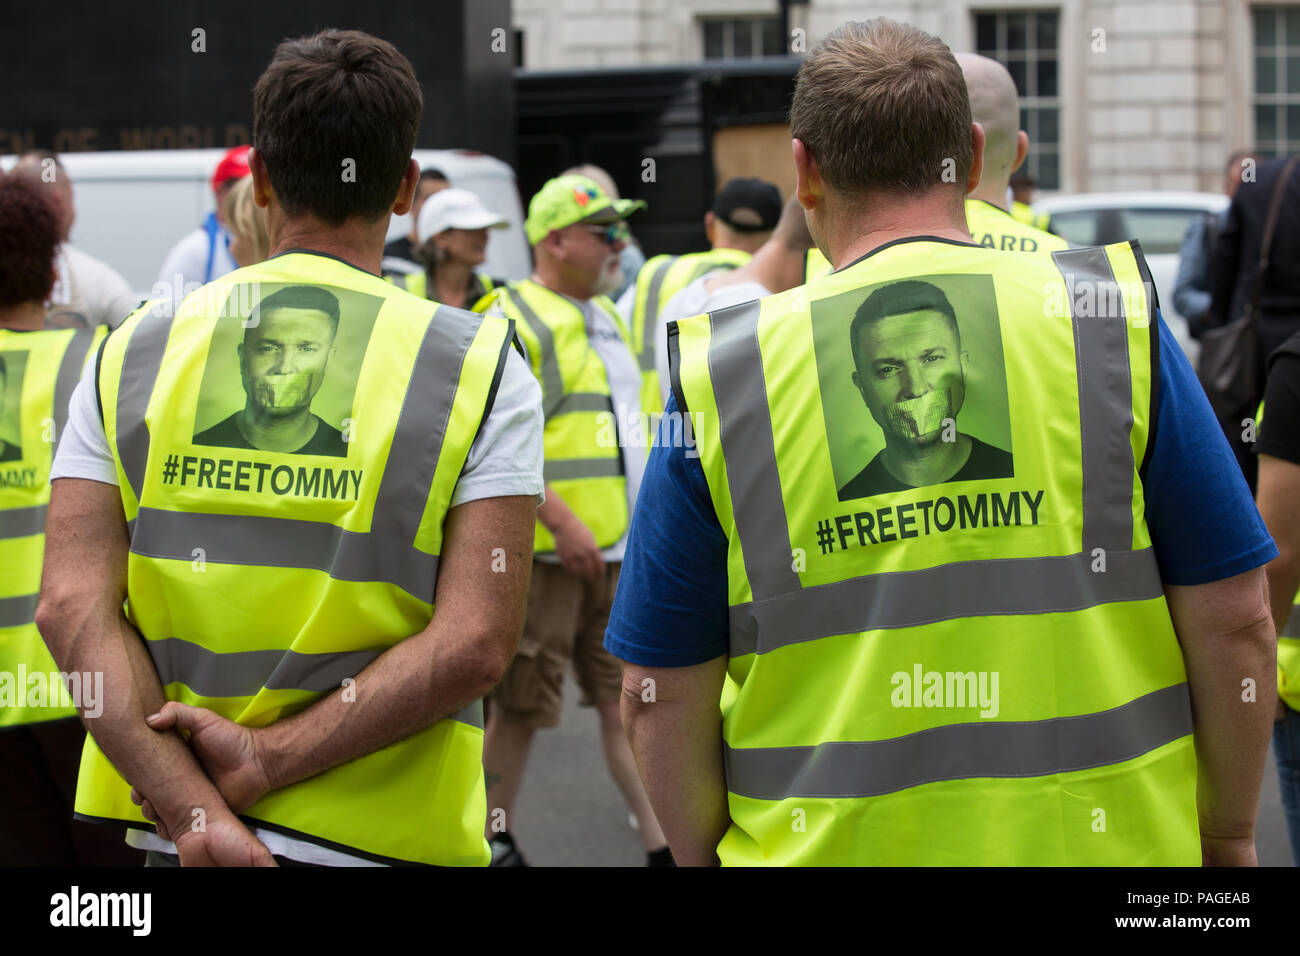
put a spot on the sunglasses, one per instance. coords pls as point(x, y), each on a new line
point(614, 232)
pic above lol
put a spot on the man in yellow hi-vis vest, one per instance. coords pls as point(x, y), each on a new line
point(744, 213)
point(995, 106)
point(578, 347)
point(960, 664)
point(315, 493)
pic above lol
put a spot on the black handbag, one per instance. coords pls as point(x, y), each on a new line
point(1230, 361)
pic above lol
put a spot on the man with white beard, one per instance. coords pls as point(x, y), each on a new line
point(579, 349)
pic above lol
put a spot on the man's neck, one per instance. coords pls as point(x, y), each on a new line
point(358, 243)
point(556, 281)
point(877, 220)
point(995, 194)
point(451, 280)
point(24, 317)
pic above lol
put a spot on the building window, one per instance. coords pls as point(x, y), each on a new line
point(741, 38)
point(1026, 43)
point(1277, 80)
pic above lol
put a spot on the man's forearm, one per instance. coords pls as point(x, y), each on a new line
point(1230, 653)
point(457, 659)
point(80, 617)
point(676, 738)
point(409, 687)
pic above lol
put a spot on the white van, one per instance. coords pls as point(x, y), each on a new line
point(134, 205)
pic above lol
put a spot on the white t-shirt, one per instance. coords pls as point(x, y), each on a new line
point(505, 459)
point(186, 263)
point(695, 299)
point(93, 288)
point(624, 376)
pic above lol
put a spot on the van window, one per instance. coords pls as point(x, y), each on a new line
point(1079, 228)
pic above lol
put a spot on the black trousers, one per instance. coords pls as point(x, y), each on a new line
point(38, 784)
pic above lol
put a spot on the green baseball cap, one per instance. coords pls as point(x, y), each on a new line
point(566, 200)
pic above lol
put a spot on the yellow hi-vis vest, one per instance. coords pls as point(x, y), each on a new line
point(994, 228)
point(661, 278)
point(262, 581)
point(1025, 213)
point(584, 464)
point(41, 368)
point(989, 226)
point(969, 672)
point(417, 283)
point(1288, 638)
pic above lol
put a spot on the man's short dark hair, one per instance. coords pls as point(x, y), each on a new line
point(325, 99)
point(432, 172)
point(29, 241)
point(299, 297)
point(899, 298)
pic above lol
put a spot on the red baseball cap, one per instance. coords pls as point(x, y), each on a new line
point(234, 165)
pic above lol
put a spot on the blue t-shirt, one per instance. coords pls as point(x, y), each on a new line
point(671, 606)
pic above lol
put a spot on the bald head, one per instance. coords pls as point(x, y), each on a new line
point(995, 106)
point(44, 171)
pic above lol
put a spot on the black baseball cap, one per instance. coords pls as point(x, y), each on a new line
point(748, 205)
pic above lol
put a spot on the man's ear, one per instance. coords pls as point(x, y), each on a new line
point(808, 186)
point(857, 383)
point(406, 191)
point(710, 225)
point(965, 363)
point(261, 179)
point(1022, 150)
point(977, 157)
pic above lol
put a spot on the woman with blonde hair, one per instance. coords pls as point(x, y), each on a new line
point(249, 241)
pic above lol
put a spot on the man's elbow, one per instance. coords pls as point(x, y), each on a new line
point(56, 613)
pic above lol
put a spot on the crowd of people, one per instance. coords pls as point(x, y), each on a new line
point(332, 554)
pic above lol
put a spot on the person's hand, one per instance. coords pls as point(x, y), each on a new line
point(223, 841)
point(227, 751)
point(1228, 851)
point(576, 547)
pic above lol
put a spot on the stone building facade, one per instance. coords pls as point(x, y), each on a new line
point(1116, 94)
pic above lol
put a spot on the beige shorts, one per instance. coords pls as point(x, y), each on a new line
point(565, 622)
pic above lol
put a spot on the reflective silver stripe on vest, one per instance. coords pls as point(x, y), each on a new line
point(584, 402)
point(21, 522)
point(962, 751)
point(552, 380)
point(74, 357)
point(285, 543)
point(783, 612)
point(140, 365)
point(18, 611)
point(966, 589)
point(649, 318)
point(1292, 626)
point(1105, 400)
point(572, 469)
point(245, 673)
point(749, 450)
point(384, 553)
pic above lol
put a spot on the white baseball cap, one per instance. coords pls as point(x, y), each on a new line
point(454, 209)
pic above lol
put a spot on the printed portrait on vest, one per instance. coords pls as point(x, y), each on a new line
point(12, 366)
point(919, 396)
point(282, 370)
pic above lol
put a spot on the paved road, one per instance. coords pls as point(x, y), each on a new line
point(571, 814)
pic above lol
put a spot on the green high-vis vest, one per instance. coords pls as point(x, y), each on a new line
point(417, 283)
point(994, 228)
point(949, 637)
point(584, 463)
point(262, 580)
point(661, 278)
point(40, 371)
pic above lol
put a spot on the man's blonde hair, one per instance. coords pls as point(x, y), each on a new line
point(882, 106)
